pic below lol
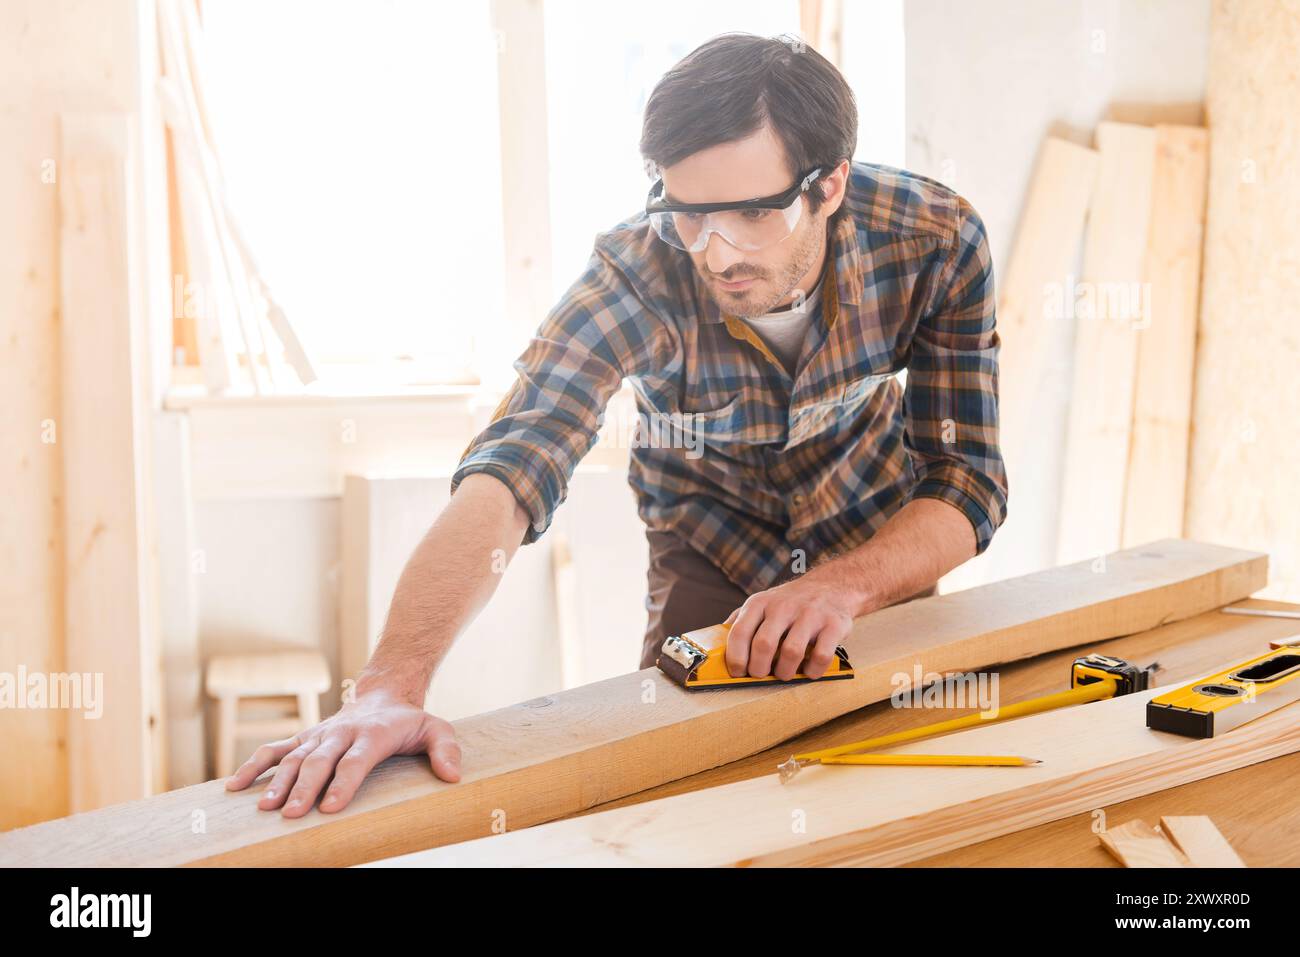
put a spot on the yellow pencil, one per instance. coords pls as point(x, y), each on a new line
point(954, 760)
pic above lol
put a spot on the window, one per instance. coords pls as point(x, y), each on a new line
point(360, 146)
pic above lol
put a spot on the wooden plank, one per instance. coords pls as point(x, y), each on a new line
point(1110, 307)
point(1162, 406)
point(1185, 651)
point(1138, 844)
point(1033, 294)
point(105, 450)
point(1200, 840)
point(557, 755)
point(1241, 482)
point(31, 474)
point(1092, 754)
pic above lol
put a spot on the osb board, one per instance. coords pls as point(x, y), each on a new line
point(1245, 457)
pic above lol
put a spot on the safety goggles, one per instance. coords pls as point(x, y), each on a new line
point(749, 225)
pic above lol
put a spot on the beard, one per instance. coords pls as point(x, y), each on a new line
point(771, 286)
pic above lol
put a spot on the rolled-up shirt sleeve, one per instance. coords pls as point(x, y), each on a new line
point(551, 415)
point(951, 399)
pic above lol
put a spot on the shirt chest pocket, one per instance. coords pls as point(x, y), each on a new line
point(668, 422)
point(834, 406)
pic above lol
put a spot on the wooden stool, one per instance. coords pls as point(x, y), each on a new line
point(299, 674)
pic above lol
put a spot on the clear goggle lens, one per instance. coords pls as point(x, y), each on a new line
point(746, 229)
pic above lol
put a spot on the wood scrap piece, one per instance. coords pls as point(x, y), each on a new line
point(562, 753)
point(1166, 341)
point(1138, 844)
point(1201, 841)
point(1093, 755)
point(1111, 307)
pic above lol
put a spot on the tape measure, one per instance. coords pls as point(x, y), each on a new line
point(1230, 698)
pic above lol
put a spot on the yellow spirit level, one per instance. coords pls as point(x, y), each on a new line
point(1230, 698)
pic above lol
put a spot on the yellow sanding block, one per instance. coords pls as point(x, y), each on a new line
point(697, 660)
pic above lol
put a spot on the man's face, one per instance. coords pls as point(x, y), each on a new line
point(752, 283)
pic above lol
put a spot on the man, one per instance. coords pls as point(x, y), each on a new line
point(761, 307)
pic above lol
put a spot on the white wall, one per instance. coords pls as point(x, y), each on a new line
point(987, 80)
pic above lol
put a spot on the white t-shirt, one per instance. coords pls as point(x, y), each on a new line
point(784, 330)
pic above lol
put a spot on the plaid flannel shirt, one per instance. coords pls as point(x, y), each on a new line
point(753, 467)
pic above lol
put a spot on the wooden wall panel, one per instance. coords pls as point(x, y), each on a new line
point(86, 55)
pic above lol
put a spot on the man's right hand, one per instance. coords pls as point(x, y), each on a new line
point(346, 747)
point(461, 553)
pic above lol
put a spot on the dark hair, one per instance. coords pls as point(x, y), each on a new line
point(726, 89)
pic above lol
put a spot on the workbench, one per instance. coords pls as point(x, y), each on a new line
point(1257, 808)
point(536, 771)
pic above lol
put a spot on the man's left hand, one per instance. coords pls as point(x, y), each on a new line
point(775, 630)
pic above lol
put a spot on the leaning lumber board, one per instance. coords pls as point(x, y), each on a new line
point(1033, 294)
point(1093, 755)
point(1113, 306)
point(1047, 245)
point(1200, 840)
point(1034, 299)
point(560, 754)
point(31, 535)
point(103, 427)
point(1162, 400)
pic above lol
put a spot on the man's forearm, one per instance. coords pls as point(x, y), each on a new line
point(923, 541)
point(446, 582)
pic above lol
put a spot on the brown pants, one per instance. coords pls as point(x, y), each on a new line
point(686, 591)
